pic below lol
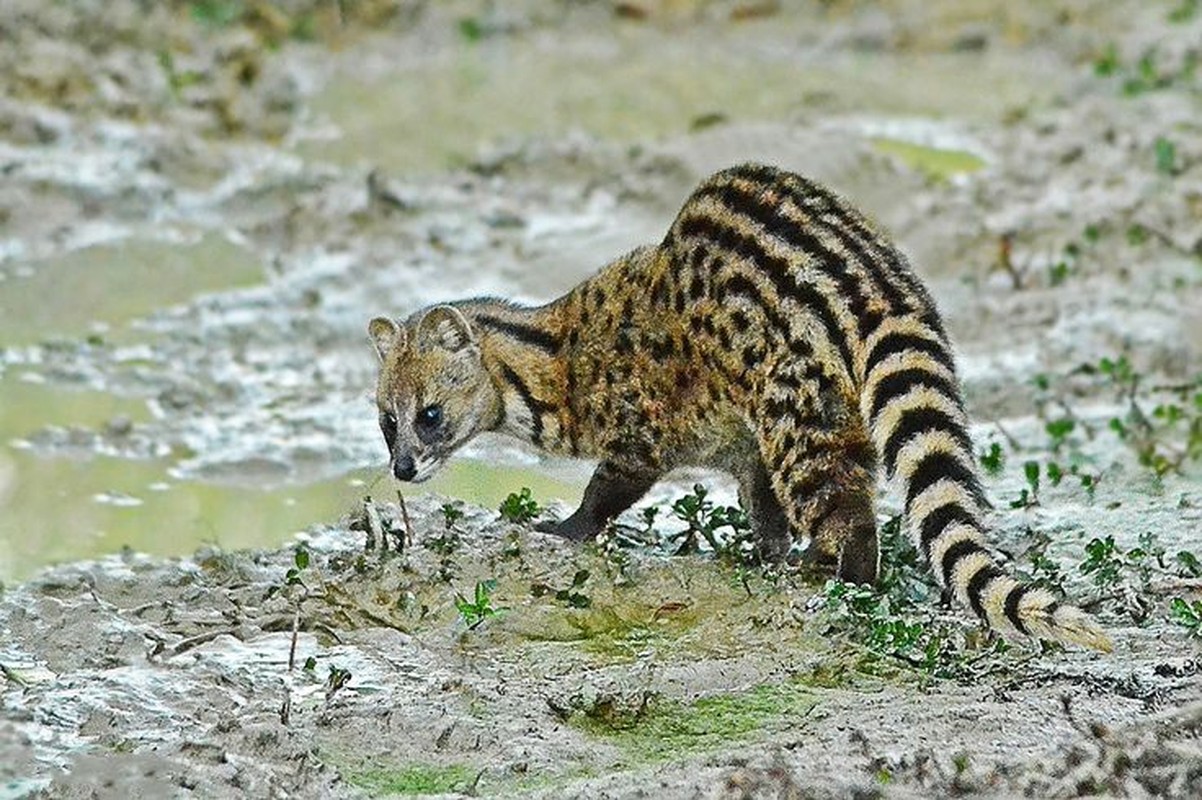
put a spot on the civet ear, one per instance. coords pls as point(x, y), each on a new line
point(385, 335)
point(445, 327)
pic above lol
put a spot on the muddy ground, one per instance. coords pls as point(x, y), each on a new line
point(202, 204)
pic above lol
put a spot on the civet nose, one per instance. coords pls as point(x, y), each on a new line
point(404, 468)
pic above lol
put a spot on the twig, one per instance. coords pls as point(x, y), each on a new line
point(12, 675)
point(1010, 440)
point(1005, 259)
point(328, 631)
point(375, 528)
point(201, 638)
point(1179, 584)
point(295, 636)
point(405, 516)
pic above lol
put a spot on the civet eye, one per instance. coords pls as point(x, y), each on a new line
point(430, 416)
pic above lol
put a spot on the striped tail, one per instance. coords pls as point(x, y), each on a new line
point(911, 400)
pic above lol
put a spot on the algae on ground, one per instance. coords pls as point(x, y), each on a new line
point(412, 779)
point(669, 729)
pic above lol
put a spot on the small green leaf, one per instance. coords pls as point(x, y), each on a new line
point(993, 459)
point(1189, 563)
point(1107, 64)
point(1031, 471)
point(1166, 156)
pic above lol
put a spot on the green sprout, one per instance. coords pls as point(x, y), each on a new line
point(476, 611)
point(520, 507)
point(1188, 615)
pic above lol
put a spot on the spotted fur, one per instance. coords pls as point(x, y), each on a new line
point(774, 333)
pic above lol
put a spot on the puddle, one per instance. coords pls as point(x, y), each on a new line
point(441, 111)
point(76, 504)
point(934, 162)
point(73, 293)
point(81, 505)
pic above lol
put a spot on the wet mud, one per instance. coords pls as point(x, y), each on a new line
point(204, 202)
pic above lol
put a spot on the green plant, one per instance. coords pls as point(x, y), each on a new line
point(1188, 615)
point(1148, 556)
point(1069, 263)
point(1184, 12)
point(297, 591)
point(336, 680)
point(1130, 576)
point(1137, 234)
point(570, 595)
point(1189, 564)
point(446, 543)
point(1059, 272)
point(1059, 429)
point(1171, 433)
point(1166, 156)
point(1109, 565)
point(649, 515)
point(474, 612)
point(177, 80)
point(1108, 63)
point(904, 577)
point(878, 618)
point(705, 519)
point(1056, 475)
point(217, 13)
point(1044, 571)
point(471, 29)
point(451, 513)
point(1147, 73)
point(1030, 495)
point(1102, 561)
point(869, 619)
point(993, 460)
point(520, 507)
point(294, 576)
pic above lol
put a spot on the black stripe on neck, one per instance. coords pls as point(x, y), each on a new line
point(529, 335)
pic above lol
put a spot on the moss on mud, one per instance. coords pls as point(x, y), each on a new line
point(412, 779)
point(666, 729)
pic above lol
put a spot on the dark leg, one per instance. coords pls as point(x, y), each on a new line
point(769, 525)
point(611, 491)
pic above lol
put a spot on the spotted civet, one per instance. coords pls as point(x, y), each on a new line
point(774, 333)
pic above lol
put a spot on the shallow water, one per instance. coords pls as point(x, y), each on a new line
point(93, 289)
point(437, 113)
point(83, 504)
